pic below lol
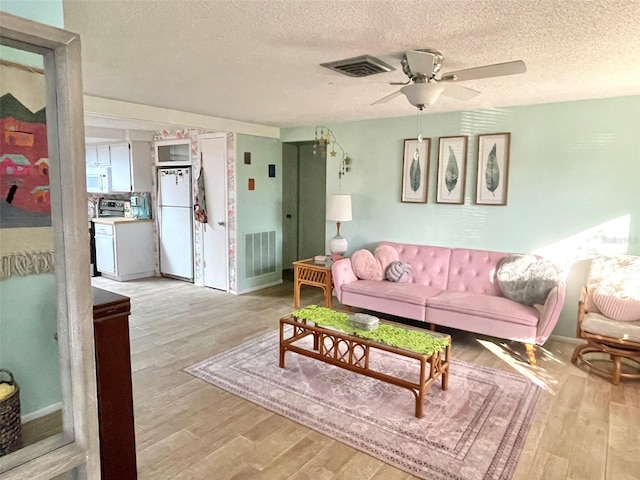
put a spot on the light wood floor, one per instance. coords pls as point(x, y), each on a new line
point(585, 428)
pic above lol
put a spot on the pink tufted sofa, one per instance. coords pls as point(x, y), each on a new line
point(452, 287)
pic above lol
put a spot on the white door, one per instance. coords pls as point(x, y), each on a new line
point(215, 245)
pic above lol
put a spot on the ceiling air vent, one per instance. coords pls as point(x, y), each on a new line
point(361, 66)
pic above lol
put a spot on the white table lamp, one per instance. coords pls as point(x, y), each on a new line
point(338, 210)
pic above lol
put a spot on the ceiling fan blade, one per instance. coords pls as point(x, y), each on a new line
point(387, 98)
point(420, 63)
point(459, 92)
point(496, 70)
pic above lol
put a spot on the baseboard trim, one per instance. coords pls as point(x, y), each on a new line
point(571, 340)
point(260, 287)
point(42, 412)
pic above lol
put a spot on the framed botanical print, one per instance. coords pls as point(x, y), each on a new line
point(415, 170)
point(493, 169)
point(452, 169)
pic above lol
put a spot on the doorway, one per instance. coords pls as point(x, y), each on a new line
point(215, 243)
point(303, 202)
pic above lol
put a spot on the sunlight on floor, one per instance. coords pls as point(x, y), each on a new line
point(518, 361)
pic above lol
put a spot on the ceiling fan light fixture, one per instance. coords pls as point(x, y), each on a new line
point(422, 94)
point(421, 67)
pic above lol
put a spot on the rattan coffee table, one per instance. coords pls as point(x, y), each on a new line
point(351, 352)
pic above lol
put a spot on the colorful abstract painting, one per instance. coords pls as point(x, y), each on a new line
point(25, 199)
point(26, 234)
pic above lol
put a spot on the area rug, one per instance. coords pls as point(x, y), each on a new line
point(474, 430)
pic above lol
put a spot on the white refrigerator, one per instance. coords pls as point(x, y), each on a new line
point(175, 222)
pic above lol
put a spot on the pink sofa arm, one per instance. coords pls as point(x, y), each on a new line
point(342, 274)
point(550, 313)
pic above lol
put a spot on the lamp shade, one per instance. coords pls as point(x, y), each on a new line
point(339, 208)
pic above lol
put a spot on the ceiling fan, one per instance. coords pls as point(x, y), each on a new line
point(423, 88)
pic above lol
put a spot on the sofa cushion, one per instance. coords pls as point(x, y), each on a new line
point(474, 271)
point(401, 292)
point(619, 301)
point(527, 279)
point(429, 265)
point(600, 325)
point(365, 265)
point(488, 306)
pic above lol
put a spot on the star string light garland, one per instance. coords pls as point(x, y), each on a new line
point(324, 136)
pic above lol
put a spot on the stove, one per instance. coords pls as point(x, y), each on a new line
point(110, 208)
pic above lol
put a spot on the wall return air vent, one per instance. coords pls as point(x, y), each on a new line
point(361, 66)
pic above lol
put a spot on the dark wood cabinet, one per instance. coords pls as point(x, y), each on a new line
point(115, 396)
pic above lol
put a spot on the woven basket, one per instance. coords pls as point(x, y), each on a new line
point(10, 425)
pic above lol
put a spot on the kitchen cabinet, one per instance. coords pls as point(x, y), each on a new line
point(97, 155)
point(105, 249)
point(131, 167)
point(171, 153)
point(124, 248)
point(121, 168)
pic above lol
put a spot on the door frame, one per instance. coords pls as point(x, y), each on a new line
point(78, 446)
point(229, 224)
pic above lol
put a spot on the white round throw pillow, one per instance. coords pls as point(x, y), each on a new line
point(618, 302)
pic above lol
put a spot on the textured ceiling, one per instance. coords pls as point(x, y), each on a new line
point(258, 61)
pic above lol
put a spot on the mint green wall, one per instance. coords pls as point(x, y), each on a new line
point(28, 305)
point(28, 322)
point(49, 12)
point(44, 11)
point(259, 210)
point(573, 184)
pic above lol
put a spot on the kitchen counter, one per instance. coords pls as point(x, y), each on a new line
point(112, 220)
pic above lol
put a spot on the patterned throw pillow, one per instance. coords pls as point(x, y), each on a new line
point(527, 279)
point(618, 301)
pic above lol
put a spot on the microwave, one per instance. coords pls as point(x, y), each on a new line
point(99, 179)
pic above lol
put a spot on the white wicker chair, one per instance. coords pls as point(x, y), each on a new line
point(617, 340)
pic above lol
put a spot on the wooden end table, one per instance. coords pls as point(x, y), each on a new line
point(308, 272)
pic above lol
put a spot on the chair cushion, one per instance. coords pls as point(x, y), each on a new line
point(610, 269)
point(598, 324)
point(618, 301)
